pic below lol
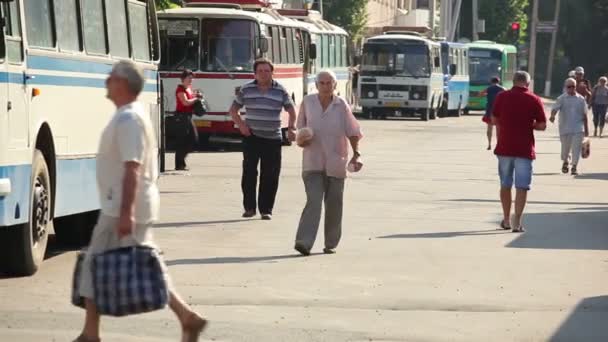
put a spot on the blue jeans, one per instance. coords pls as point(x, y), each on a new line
point(513, 168)
point(599, 115)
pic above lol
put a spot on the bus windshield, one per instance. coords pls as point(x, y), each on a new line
point(390, 58)
point(214, 44)
point(484, 64)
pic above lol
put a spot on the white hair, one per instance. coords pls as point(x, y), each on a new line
point(604, 78)
point(521, 76)
point(570, 80)
point(132, 73)
point(329, 73)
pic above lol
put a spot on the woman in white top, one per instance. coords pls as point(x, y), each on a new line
point(599, 104)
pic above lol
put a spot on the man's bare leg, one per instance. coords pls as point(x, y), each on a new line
point(521, 196)
point(489, 132)
point(90, 331)
point(192, 323)
point(505, 200)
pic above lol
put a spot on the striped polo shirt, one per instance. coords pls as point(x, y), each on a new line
point(263, 110)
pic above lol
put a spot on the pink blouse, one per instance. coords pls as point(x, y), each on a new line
point(328, 150)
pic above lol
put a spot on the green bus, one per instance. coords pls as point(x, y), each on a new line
point(489, 59)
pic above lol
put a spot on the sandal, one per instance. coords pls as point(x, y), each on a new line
point(521, 229)
point(565, 168)
point(504, 225)
point(83, 338)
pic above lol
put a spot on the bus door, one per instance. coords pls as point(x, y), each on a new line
point(16, 105)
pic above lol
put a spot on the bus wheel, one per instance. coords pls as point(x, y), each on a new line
point(26, 243)
point(433, 114)
point(424, 116)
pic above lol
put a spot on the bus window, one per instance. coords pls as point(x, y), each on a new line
point(291, 59)
point(117, 27)
point(140, 38)
point(276, 45)
point(39, 24)
point(270, 43)
point(339, 51)
point(14, 42)
point(483, 65)
point(296, 46)
point(511, 66)
point(94, 29)
point(326, 52)
point(283, 41)
point(229, 45)
point(344, 51)
point(179, 44)
point(67, 26)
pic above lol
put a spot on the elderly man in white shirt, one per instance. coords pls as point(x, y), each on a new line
point(126, 176)
point(573, 124)
point(324, 163)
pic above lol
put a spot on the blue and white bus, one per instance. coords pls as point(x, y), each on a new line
point(455, 66)
point(55, 56)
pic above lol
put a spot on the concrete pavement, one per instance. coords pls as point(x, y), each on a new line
point(421, 257)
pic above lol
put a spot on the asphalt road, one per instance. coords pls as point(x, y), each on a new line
point(421, 258)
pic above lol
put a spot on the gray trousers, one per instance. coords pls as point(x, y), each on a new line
point(321, 189)
point(572, 143)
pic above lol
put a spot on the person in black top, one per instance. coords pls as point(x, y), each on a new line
point(491, 92)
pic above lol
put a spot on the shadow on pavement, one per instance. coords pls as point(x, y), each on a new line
point(586, 323)
point(584, 230)
point(479, 200)
point(234, 260)
point(442, 235)
point(196, 223)
point(593, 176)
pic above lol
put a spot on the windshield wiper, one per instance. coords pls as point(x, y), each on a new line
point(225, 68)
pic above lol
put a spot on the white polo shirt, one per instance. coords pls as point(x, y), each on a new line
point(128, 137)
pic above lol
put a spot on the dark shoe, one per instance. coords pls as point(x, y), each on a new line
point(573, 171)
point(302, 250)
point(329, 251)
point(565, 168)
point(249, 213)
point(182, 168)
point(266, 217)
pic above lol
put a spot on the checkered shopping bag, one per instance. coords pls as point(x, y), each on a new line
point(127, 281)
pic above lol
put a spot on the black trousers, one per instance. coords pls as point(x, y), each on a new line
point(266, 152)
point(184, 140)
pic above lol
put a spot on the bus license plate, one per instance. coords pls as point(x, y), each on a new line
point(393, 104)
point(203, 123)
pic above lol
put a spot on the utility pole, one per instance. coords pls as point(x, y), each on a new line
point(475, 20)
point(432, 10)
point(552, 50)
point(454, 20)
point(532, 56)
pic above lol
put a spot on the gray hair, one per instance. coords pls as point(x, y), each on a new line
point(603, 78)
point(521, 77)
point(569, 80)
point(132, 73)
point(329, 73)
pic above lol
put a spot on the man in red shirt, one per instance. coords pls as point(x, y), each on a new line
point(517, 113)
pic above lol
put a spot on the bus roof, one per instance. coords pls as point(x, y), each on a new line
point(402, 37)
point(455, 44)
point(267, 17)
point(490, 45)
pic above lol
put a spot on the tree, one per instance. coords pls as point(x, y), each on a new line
point(164, 4)
point(348, 14)
point(499, 14)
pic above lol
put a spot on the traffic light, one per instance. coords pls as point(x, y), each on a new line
point(515, 26)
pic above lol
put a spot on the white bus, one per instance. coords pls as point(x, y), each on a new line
point(54, 58)
point(220, 40)
point(401, 75)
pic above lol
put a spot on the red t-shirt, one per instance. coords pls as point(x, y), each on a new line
point(517, 110)
point(179, 107)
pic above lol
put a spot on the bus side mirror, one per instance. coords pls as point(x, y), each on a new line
point(452, 69)
point(263, 44)
point(313, 51)
point(437, 62)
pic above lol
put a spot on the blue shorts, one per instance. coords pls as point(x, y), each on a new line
point(518, 168)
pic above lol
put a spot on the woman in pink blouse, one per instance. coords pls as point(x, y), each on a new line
point(325, 158)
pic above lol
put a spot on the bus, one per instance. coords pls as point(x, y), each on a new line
point(401, 76)
point(54, 59)
point(455, 67)
point(488, 59)
point(220, 40)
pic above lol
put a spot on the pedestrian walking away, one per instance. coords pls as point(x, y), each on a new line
point(330, 126)
point(263, 99)
point(185, 99)
point(126, 176)
point(583, 86)
point(517, 113)
point(573, 125)
point(491, 92)
point(599, 105)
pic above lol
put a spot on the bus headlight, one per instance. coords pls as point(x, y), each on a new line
point(416, 96)
point(371, 94)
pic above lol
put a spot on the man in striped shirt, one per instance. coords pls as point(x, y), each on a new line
point(264, 99)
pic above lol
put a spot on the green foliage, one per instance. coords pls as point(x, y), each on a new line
point(499, 14)
point(164, 4)
point(348, 14)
